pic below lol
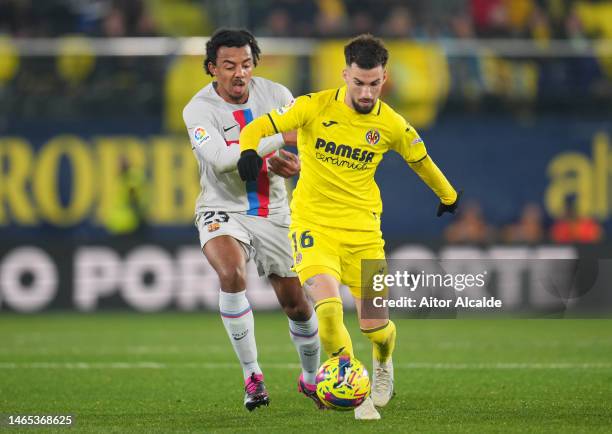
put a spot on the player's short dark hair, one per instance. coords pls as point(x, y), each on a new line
point(366, 51)
point(230, 38)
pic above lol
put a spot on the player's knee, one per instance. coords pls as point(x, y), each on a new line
point(297, 309)
point(232, 278)
point(293, 312)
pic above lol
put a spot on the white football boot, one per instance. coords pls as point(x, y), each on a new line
point(367, 411)
point(382, 382)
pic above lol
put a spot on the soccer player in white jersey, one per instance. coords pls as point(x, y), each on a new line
point(239, 221)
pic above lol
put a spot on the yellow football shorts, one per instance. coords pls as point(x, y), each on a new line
point(339, 252)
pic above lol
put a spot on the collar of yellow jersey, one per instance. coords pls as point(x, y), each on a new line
point(341, 93)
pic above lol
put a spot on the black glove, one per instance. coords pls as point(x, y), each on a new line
point(249, 165)
point(449, 208)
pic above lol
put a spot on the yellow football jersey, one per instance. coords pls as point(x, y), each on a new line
point(339, 150)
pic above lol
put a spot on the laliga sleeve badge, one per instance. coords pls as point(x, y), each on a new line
point(284, 109)
point(298, 258)
point(213, 227)
point(200, 136)
point(372, 137)
point(413, 137)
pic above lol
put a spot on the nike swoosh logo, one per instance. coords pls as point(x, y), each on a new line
point(337, 353)
point(245, 333)
point(225, 130)
point(329, 123)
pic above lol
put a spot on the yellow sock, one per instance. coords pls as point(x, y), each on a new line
point(332, 332)
point(383, 340)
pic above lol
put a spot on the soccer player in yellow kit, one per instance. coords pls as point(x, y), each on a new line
point(336, 206)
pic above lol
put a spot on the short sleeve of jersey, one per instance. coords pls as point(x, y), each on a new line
point(409, 144)
point(292, 115)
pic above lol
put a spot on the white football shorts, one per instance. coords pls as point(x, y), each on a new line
point(264, 239)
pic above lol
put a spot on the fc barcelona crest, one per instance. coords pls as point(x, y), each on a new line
point(213, 227)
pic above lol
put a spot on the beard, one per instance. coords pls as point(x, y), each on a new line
point(236, 98)
point(229, 93)
point(361, 108)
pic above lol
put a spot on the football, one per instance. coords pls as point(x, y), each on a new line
point(343, 383)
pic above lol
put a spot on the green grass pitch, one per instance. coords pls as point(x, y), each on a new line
point(121, 372)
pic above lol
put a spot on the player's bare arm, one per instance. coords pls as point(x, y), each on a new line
point(286, 165)
point(290, 138)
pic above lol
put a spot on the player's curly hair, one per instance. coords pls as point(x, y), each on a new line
point(366, 51)
point(229, 38)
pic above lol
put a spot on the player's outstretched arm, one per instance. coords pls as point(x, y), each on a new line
point(411, 146)
point(435, 179)
point(224, 158)
point(210, 146)
point(452, 208)
point(287, 118)
point(286, 169)
point(228, 156)
point(250, 162)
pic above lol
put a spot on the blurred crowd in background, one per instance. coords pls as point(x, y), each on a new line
point(536, 19)
point(426, 84)
point(531, 227)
